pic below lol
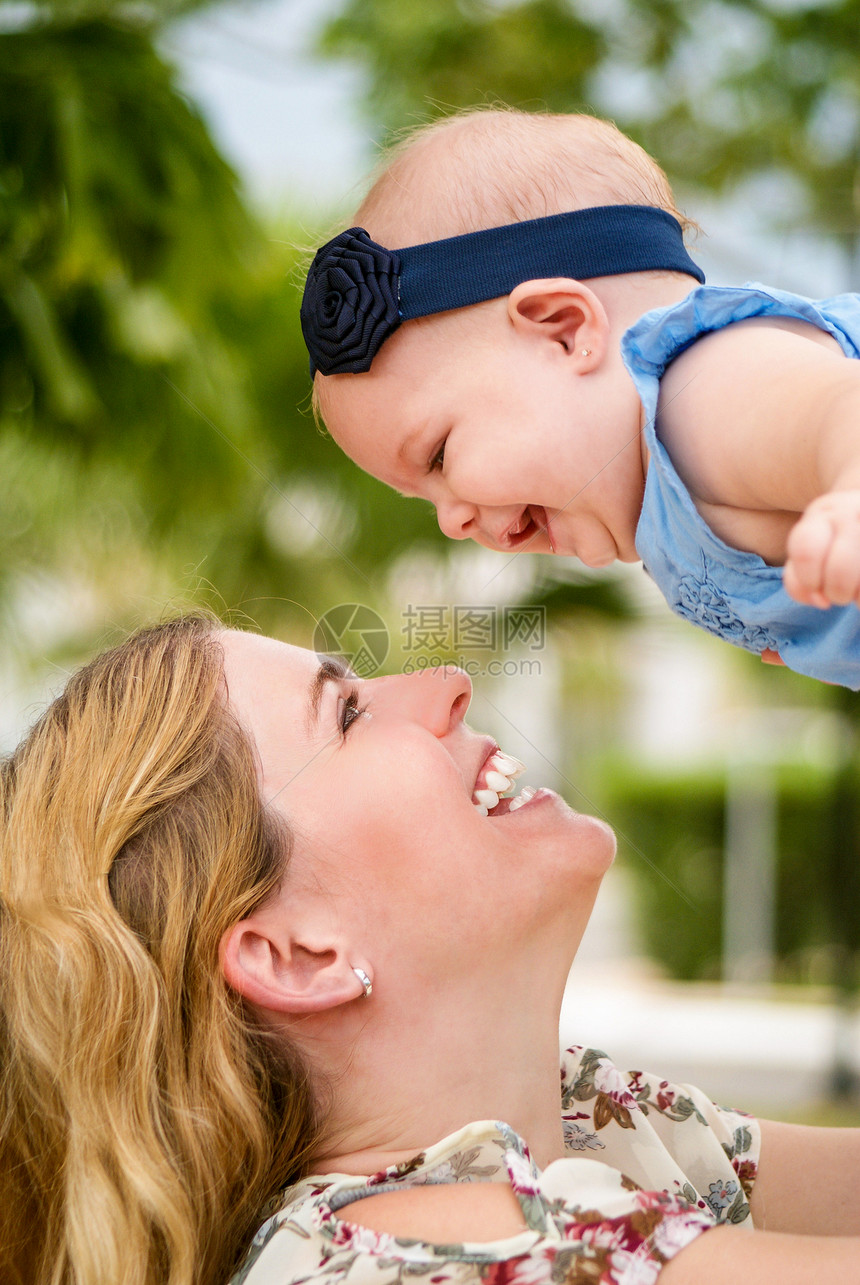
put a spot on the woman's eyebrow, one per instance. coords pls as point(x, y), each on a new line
point(330, 670)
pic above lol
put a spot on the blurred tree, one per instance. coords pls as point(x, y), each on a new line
point(121, 231)
point(424, 59)
point(151, 363)
point(721, 91)
point(139, 13)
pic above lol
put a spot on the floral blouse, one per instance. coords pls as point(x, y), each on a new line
point(649, 1166)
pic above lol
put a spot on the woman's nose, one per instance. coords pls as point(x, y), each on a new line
point(437, 697)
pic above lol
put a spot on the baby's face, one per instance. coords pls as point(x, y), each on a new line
point(513, 447)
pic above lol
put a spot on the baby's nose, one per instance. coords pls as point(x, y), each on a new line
point(456, 519)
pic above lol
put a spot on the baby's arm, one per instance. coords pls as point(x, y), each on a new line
point(762, 421)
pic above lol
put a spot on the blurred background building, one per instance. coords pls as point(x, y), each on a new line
point(165, 168)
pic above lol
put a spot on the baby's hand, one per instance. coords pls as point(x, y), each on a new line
point(823, 563)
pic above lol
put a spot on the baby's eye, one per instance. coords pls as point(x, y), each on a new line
point(438, 459)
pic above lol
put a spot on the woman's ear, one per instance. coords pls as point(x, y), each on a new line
point(567, 313)
point(285, 971)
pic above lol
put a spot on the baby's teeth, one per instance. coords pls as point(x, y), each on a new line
point(479, 807)
point(507, 764)
point(488, 798)
point(497, 782)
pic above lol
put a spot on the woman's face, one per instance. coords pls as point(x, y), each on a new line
point(376, 780)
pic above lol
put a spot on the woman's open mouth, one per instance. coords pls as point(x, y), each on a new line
point(493, 794)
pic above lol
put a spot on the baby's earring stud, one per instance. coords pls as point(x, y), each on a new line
point(585, 352)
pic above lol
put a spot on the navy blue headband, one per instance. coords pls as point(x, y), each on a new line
point(357, 292)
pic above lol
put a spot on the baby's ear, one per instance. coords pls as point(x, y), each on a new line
point(563, 311)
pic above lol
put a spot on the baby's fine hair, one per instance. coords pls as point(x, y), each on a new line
point(483, 168)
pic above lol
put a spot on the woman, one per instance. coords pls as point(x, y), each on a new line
point(256, 931)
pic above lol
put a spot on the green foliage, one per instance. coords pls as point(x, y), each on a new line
point(154, 392)
point(565, 591)
point(719, 90)
point(139, 13)
point(677, 822)
point(121, 229)
point(462, 52)
point(121, 232)
point(743, 88)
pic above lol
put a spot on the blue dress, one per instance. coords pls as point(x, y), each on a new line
point(732, 594)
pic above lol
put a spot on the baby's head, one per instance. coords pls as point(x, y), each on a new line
point(483, 373)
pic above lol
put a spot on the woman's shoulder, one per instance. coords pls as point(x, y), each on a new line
point(663, 1135)
point(596, 1092)
point(420, 1210)
point(512, 1225)
point(647, 1163)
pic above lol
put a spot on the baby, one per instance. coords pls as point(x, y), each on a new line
point(540, 363)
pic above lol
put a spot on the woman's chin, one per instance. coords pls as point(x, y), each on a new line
point(590, 842)
point(579, 842)
point(547, 831)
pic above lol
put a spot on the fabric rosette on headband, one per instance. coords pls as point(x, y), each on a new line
point(351, 303)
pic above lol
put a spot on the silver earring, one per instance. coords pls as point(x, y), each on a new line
point(365, 981)
point(586, 352)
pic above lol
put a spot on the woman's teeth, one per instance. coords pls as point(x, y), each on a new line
point(501, 772)
point(506, 764)
point(526, 793)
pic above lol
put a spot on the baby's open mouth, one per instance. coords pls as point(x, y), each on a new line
point(493, 794)
point(531, 522)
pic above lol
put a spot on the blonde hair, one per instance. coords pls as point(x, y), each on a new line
point(484, 168)
point(145, 1120)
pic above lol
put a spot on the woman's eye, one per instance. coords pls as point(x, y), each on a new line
point(350, 712)
point(438, 459)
